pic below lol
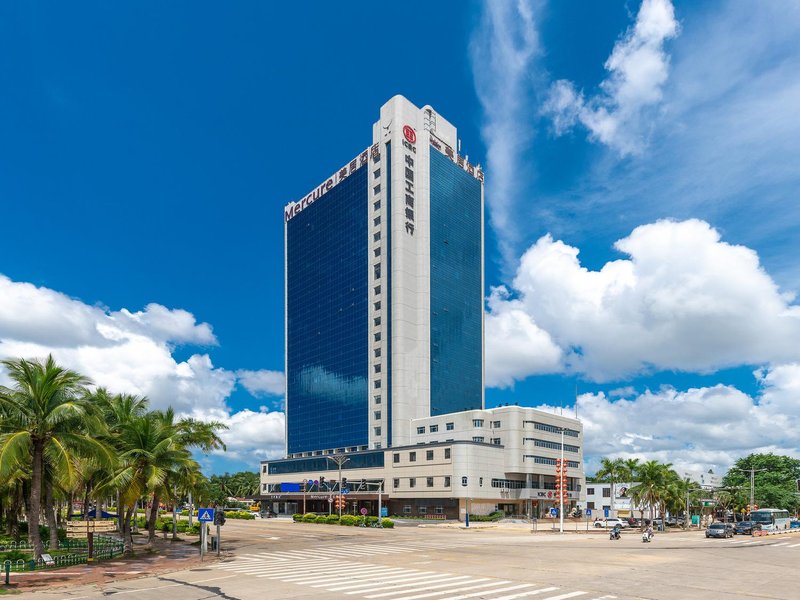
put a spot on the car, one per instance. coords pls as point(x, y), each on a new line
point(632, 521)
point(611, 522)
point(746, 527)
point(722, 530)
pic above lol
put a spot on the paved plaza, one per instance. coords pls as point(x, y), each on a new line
point(281, 559)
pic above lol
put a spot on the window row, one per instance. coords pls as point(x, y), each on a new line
point(429, 482)
point(551, 428)
point(551, 445)
point(544, 460)
point(412, 456)
point(423, 510)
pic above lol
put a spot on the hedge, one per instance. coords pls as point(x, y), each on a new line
point(495, 516)
point(346, 520)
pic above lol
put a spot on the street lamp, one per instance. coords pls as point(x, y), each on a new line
point(562, 490)
point(339, 460)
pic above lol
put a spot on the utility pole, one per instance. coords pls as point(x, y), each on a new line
point(339, 460)
point(380, 494)
point(752, 483)
point(562, 490)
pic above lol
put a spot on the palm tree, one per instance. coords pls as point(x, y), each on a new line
point(653, 485)
point(46, 423)
point(611, 470)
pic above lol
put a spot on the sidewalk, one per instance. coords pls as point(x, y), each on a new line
point(167, 557)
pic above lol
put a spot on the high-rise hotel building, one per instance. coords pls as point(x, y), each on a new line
point(384, 342)
point(384, 289)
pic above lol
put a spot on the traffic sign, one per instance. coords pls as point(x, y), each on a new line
point(554, 512)
point(588, 512)
point(345, 491)
point(205, 515)
point(364, 511)
point(605, 512)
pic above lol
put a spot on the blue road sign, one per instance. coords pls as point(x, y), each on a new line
point(605, 512)
point(345, 491)
point(205, 515)
point(553, 512)
point(588, 512)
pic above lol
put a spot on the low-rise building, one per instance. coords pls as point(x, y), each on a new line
point(479, 461)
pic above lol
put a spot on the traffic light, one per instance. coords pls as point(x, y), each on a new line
point(219, 517)
point(321, 482)
point(344, 483)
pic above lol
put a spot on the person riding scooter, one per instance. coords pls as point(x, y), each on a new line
point(614, 535)
point(648, 534)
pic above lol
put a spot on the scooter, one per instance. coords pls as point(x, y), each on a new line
point(614, 534)
point(647, 536)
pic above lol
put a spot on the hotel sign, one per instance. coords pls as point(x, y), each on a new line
point(293, 208)
point(476, 172)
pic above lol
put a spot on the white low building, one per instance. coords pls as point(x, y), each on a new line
point(479, 461)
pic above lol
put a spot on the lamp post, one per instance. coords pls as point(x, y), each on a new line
point(339, 460)
point(562, 490)
point(688, 491)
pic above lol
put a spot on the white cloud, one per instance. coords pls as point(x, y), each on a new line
point(683, 300)
point(262, 382)
point(695, 429)
point(638, 69)
point(131, 352)
point(254, 436)
point(503, 50)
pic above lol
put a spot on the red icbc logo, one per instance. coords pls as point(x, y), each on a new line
point(410, 134)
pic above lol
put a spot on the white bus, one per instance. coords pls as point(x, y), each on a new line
point(771, 519)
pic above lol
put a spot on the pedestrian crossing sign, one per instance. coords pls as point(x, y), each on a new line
point(205, 515)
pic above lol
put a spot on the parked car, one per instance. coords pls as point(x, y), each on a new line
point(611, 522)
point(746, 527)
point(632, 521)
point(723, 530)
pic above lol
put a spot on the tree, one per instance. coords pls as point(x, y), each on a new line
point(611, 471)
point(652, 487)
point(46, 424)
point(775, 486)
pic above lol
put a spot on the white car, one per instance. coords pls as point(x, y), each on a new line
point(611, 522)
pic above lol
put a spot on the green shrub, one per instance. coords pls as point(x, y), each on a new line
point(372, 520)
point(332, 519)
point(14, 556)
point(388, 523)
point(239, 514)
point(309, 518)
point(195, 528)
point(321, 519)
point(349, 520)
point(297, 517)
point(495, 516)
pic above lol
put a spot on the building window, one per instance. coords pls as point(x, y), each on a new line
point(264, 469)
point(377, 399)
point(407, 509)
point(429, 481)
point(606, 492)
point(396, 483)
point(429, 455)
point(376, 237)
point(447, 481)
point(376, 221)
point(477, 422)
point(377, 415)
point(377, 290)
point(433, 428)
point(377, 352)
point(377, 190)
point(412, 457)
point(377, 336)
point(377, 251)
point(496, 441)
point(376, 270)
point(477, 438)
point(495, 424)
point(590, 491)
point(377, 205)
point(420, 430)
point(449, 426)
point(377, 368)
point(590, 505)
point(447, 452)
point(412, 482)
point(376, 173)
point(606, 507)
point(423, 510)
point(377, 446)
point(395, 460)
point(463, 482)
point(377, 430)
point(377, 384)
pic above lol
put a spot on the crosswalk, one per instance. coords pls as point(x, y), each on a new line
point(333, 570)
point(760, 541)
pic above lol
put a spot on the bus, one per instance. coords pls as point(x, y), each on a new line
point(771, 519)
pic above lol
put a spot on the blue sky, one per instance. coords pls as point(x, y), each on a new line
point(148, 149)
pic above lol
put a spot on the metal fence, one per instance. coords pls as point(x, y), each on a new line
point(104, 548)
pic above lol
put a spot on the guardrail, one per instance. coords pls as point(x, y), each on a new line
point(104, 548)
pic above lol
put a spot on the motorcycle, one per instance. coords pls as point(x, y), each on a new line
point(647, 536)
point(614, 534)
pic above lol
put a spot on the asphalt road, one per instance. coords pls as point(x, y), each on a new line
point(279, 559)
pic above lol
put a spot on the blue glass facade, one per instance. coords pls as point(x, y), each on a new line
point(327, 295)
point(456, 289)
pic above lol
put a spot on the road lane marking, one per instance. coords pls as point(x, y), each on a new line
point(460, 589)
point(565, 596)
point(528, 593)
point(450, 582)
